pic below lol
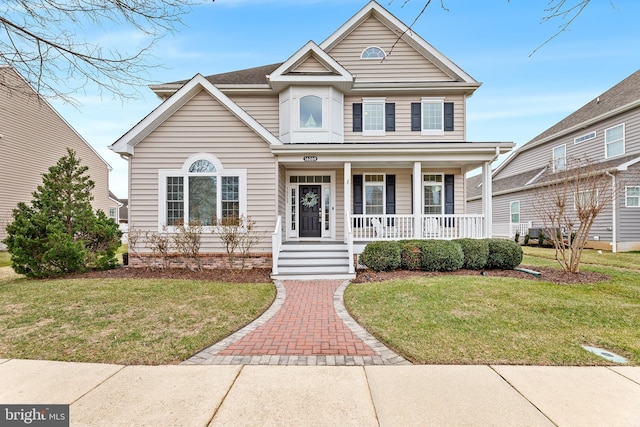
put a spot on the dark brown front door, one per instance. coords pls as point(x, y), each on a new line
point(310, 204)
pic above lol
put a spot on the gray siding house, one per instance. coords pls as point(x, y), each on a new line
point(33, 136)
point(606, 132)
point(359, 138)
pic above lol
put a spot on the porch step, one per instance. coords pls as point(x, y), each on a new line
point(313, 260)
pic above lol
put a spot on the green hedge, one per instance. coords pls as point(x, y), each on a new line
point(381, 256)
point(410, 255)
point(476, 253)
point(441, 255)
point(503, 254)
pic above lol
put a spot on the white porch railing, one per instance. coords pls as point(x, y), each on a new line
point(276, 245)
point(508, 230)
point(398, 227)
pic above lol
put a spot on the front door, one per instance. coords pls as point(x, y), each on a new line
point(310, 211)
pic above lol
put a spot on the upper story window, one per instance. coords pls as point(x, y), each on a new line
point(201, 192)
point(614, 141)
point(373, 52)
point(374, 117)
point(559, 158)
point(432, 116)
point(310, 112)
point(113, 213)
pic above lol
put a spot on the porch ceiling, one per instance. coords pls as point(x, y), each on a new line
point(464, 155)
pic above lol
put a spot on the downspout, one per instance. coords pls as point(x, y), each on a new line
point(614, 222)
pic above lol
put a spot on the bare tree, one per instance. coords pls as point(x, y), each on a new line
point(564, 11)
point(46, 41)
point(568, 202)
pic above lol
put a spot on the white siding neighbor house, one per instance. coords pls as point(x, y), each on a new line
point(605, 132)
point(33, 137)
point(359, 138)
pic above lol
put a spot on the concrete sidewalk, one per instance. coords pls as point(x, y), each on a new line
point(256, 395)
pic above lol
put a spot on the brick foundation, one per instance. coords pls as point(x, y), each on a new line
point(208, 261)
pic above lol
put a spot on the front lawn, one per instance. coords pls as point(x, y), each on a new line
point(491, 320)
point(124, 321)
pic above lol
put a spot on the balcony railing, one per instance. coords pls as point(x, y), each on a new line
point(399, 227)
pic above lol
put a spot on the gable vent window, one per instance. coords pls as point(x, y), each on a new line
point(373, 52)
point(584, 138)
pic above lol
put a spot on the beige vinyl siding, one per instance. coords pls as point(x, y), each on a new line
point(403, 63)
point(202, 125)
point(310, 65)
point(403, 132)
point(34, 138)
point(591, 149)
point(263, 108)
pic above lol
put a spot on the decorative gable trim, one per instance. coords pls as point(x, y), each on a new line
point(125, 145)
point(408, 35)
point(333, 74)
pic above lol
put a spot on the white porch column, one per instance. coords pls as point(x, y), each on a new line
point(347, 198)
point(417, 199)
point(487, 204)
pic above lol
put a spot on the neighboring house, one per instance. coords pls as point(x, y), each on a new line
point(359, 138)
point(605, 132)
point(33, 137)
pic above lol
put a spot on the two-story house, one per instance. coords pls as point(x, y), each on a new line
point(358, 138)
point(33, 137)
point(605, 132)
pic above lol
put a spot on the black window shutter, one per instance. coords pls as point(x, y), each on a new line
point(448, 116)
point(390, 183)
point(390, 116)
point(416, 116)
point(449, 194)
point(357, 194)
point(357, 117)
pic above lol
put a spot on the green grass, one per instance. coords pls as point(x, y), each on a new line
point(488, 320)
point(122, 321)
point(590, 257)
point(5, 259)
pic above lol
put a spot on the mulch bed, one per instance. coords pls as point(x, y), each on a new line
point(262, 275)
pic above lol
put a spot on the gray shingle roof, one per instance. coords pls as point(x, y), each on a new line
point(256, 75)
point(624, 93)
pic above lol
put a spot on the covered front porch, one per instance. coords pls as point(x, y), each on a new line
point(358, 193)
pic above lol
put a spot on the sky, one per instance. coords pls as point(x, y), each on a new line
point(524, 91)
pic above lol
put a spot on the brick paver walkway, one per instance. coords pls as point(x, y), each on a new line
point(306, 325)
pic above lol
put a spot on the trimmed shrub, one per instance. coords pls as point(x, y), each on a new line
point(410, 255)
point(441, 255)
point(381, 256)
point(476, 253)
point(503, 254)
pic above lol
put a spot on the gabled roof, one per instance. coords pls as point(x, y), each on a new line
point(125, 144)
point(619, 99)
point(332, 73)
point(373, 8)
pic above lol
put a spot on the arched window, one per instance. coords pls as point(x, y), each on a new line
point(310, 111)
point(373, 52)
point(202, 192)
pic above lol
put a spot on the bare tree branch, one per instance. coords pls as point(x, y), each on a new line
point(46, 42)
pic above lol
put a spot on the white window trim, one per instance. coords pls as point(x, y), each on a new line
point(624, 143)
point(554, 159)
point(384, 54)
point(374, 101)
point(511, 213)
point(298, 94)
point(384, 192)
point(424, 101)
point(163, 174)
point(626, 197)
point(577, 197)
point(442, 195)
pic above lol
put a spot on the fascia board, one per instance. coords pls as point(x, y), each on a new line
point(127, 143)
point(462, 149)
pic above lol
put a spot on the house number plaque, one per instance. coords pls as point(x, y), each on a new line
point(310, 158)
